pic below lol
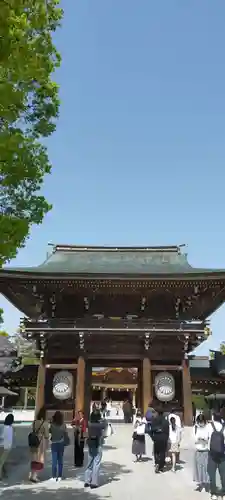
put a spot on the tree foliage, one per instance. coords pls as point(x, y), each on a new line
point(222, 347)
point(3, 333)
point(26, 349)
point(29, 107)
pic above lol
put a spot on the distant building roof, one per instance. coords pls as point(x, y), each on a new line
point(199, 362)
point(70, 259)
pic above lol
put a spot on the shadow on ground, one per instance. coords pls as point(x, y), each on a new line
point(68, 488)
point(46, 494)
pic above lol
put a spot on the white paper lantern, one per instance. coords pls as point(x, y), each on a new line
point(62, 385)
point(164, 386)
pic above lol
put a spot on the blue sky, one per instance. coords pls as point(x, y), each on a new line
point(138, 155)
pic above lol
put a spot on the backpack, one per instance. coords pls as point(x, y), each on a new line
point(148, 415)
point(217, 447)
point(33, 438)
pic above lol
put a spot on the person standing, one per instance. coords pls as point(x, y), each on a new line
point(95, 442)
point(160, 435)
point(38, 444)
point(216, 454)
point(79, 425)
point(6, 444)
point(201, 437)
point(194, 412)
point(138, 444)
point(177, 418)
point(174, 441)
point(104, 408)
point(59, 439)
point(127, 411)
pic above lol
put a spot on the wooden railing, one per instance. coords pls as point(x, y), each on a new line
point(114, 325)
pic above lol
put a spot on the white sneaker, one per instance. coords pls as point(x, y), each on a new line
point(52, 479)
point(59, 479)
point(213, 497)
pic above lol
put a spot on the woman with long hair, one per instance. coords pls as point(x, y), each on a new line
point(38, 444)
point(174, 441)
point(7, 443)
point(79, 425)
point(201, 437)
point(138, 443)
point(95, 440)
point(59, 439)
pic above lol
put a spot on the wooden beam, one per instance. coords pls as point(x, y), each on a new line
point(117, 357)
point(116, 331)
point(62, 366)
point(114, 386)
point(166, 367)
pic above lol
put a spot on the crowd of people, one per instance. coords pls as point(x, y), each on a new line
point(57, 434)
point(166, 434)
point(165, 431)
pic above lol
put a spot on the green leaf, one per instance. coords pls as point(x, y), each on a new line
point(29, 108)
point(3, 333)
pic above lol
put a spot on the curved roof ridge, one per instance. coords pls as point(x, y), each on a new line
point(140, 248)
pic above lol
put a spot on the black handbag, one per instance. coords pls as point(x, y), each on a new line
point(33, 438)
point(66, 439)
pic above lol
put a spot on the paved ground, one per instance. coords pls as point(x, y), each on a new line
point(120, 476)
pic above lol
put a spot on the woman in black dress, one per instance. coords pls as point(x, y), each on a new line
point(79, 425)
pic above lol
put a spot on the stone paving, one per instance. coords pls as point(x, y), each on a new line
point(120, 476)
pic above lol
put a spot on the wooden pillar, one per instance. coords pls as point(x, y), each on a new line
point(146, 384)
point(40, 391)
point(80, 387)
point(187, 394)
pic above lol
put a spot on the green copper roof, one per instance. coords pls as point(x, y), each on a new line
point(114, 261)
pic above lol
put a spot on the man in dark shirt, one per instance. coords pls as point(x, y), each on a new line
point(160, 435)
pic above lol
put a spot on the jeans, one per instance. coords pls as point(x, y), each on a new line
point(213, 465)
point(93, 466)
point(57, 459)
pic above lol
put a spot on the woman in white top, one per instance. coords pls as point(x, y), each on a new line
point(7, 442)
point(201, 437)
point(174, 441)
point(138, 444)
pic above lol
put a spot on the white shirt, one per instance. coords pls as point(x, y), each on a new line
point(175, 436)
point(201, 437)
point(177, 419)
point(139, 426)
point(7, 437)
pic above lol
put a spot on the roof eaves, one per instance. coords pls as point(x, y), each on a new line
point(44, 274)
